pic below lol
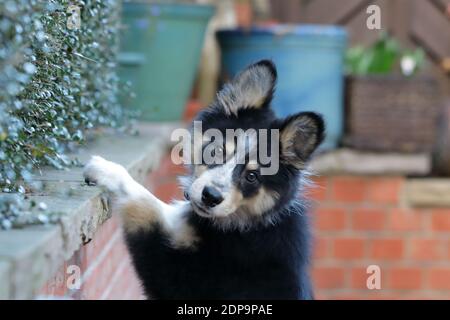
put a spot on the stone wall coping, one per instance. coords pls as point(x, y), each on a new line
point(353, 162)
point(30, 256)
point(427, 192)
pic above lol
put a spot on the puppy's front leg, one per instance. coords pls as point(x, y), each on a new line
point(140, 209)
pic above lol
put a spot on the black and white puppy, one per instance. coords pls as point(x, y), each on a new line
point(240, 234)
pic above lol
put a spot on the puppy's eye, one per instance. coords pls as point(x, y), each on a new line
point(251, 177)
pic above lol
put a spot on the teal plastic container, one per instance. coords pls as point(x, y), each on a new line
point(310, 63)
point(160, 52)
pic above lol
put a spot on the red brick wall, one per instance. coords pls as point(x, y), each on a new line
point(357, 222)
point(361, 221)
point(106, 269)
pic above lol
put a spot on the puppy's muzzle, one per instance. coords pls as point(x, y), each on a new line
point(211, 197)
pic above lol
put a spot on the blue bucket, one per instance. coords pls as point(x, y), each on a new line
point(310, 63)
point(161, 46)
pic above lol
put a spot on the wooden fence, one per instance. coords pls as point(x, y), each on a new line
point(424, 23)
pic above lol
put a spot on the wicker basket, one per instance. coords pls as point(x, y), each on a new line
point(391, 113)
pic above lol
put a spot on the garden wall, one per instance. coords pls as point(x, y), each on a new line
point(357, 221)
point(106, 270)
point(361, 221)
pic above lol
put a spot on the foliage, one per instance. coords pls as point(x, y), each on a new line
point(56, 81)
point(383, 57)
point(17, 213)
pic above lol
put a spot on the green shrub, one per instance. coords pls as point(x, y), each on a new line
point(56, 81)
point(385, 56)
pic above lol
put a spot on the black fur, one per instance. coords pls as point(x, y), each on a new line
point(267, 260)
point(262, 263)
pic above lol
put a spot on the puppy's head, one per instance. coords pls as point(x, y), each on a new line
point(251, 161)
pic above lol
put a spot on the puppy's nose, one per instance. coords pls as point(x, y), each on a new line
point(211, 197)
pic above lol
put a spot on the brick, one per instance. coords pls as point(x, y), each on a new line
point(321, 296)
point(170, 169)
point(383, 295)
point(318, 191)
point(103, 261)
point(361, 274)
point(328, 219)
point(349, 296)
point(56, 285)
point(426, 249)
point(320, 249)
point(448, 250)
point(349, 248)
point(433, 295)
point(244, 13)
point(104, 236)
point(349, 189)
point(405, 278)
point(358, 278)
point(167, 170)
point(104, 276)
point(328, 277)
point(368, 219)
point(406, 220)
point(439, 278)
point(416, 296)
point(191, 109)
point(117, 286)
point(384, 190)
point(168, 191)
point(441, 220)
point(390, 249)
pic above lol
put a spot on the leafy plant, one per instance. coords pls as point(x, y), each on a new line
point(56, 82)
point(383, 57)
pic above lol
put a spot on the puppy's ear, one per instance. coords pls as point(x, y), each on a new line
point(252, 88)
point(300, 135)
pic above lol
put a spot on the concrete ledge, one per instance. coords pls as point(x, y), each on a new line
point(346, 161)
point(30, 256)
point(4, 280)
point(428, 193)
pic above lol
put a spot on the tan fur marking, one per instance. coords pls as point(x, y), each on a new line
point(138, 215)
point(252, 166)
point(247, 209)
point(263, 201)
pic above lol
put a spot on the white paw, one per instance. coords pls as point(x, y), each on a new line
point(104, 173)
